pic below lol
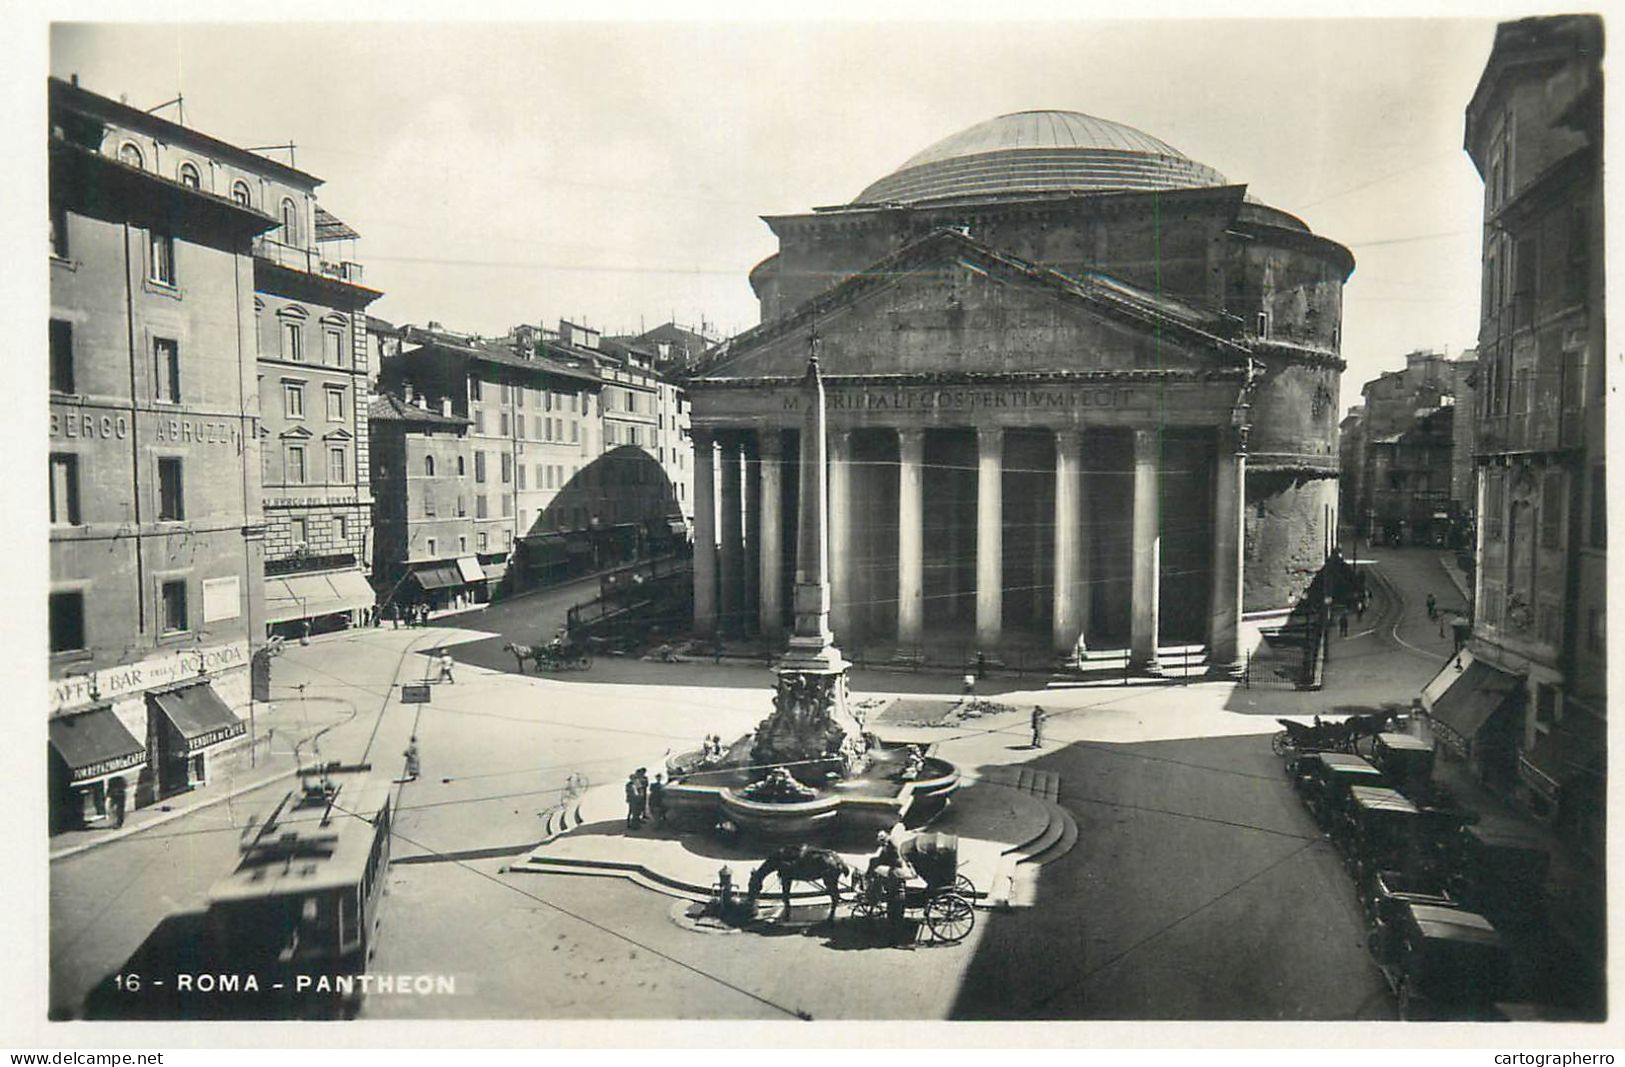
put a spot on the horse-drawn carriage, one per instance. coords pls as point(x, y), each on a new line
point(561, 654)
point(940, 895)
point(1344, 735)
point(926, 881)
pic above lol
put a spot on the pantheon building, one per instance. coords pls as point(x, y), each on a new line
point(1082, 393)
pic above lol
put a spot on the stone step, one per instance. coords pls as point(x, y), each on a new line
point(1062, 845)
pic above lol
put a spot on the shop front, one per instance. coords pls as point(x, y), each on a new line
point(546, 558)
point(185, 724)
point(297, 605)
point(1473, 711)
point(91, 757)
point(438, 584)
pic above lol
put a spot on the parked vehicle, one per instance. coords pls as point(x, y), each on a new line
point(1324, 778)
point(1443, 963)
point(1501, 872)
point(1385, 894)
point(1379, 831)
point(1406, 761)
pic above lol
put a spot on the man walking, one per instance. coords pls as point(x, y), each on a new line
point(1343, 623)
point(446, 663)
point(1038, 726)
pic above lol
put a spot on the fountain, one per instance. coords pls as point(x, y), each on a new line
point(811, 766)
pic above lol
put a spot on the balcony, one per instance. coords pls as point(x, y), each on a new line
point(295, 257)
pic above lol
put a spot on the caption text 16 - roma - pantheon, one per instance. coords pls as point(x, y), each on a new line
point(1079, 386)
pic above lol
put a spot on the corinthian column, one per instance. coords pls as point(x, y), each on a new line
point(1068, 577)
point(989, 536)
point(1229, 507)
point(910, 537)
point(770, 604)
point(705, 533)
point(1147, 552)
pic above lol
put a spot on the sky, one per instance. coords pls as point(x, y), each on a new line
point(615, 173)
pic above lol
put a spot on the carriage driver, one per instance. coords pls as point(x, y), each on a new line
point(888, 867)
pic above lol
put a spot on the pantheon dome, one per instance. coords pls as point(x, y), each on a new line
point(1039, 152)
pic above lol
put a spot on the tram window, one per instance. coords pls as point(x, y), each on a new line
point(349, 917)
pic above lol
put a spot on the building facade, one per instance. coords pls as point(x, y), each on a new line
point(157, 526)
point(1082, 393)
point(534, 425)
point(1406, 451)
point(1528, 709)
point(426, 549)
point(314, 393)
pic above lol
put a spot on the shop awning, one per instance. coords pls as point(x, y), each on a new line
point(677, 527)
point(546, 548)
point(495, 571)
point(438, 576)
point(1479, 691)
point(95, 744)
point(198, 715)
point(469, 568)
point(305, 596)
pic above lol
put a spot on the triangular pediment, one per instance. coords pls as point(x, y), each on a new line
point(948, 304)
point(295, 432)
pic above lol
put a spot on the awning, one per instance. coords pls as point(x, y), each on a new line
point(438, 576)
point(469, 568)
point(1462, 710)
point(1559, 756)
point(677, 527)
point(495, 571)
point(198, 715)
point(305, 596)
point(95, 744)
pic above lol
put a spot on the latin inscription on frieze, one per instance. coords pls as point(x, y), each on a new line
point(969, 399)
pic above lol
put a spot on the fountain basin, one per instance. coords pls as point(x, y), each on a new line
point(856, 807)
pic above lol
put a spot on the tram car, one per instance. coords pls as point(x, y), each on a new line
point(303, 902)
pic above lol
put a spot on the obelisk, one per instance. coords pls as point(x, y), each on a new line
point(811, 719)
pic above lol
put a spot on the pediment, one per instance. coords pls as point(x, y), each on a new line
point(295, 432)
point(949, 305)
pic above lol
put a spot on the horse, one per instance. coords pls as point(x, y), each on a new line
point(1368, 726)
point(524, 652)
point(803, 863)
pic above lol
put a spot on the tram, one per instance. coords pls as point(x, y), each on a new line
point(304, 900)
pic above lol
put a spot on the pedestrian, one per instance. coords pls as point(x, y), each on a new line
point(411, 755)
point(657, 800)
point(116, 801)
point(394, 616)
point(970, 683)
point(446, 664)
point(1343, 624)
point(634, 802)
point(1433, 606)
point(981, 665)
point(1359, 606)
point(1039, 716)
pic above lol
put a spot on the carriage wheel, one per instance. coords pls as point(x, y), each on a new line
point(950, 917)
point(965, 887)
point(867, 903)
point(584, 662)
point(1278, 743)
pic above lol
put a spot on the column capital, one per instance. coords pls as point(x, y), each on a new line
point(1069, 440)
point(990, 438)
point(840, 442)
point(703, 437)
point(1147, 443)
point(770, 444)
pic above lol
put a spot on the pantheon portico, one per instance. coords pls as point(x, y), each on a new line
point(1079, 388)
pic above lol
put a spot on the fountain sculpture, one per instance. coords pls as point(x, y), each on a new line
point(811, 766)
